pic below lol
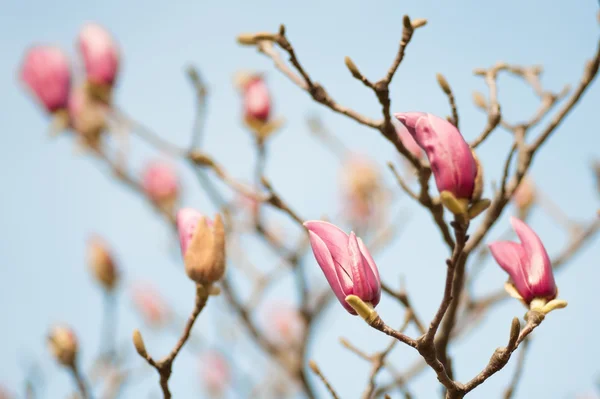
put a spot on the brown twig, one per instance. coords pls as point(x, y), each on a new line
point(511, 389)
point(80, 381)
point(317, 371)
point(165, 365)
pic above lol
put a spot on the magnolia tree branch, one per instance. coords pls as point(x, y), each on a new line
point(164, 366)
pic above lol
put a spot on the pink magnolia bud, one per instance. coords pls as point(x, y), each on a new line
point(215, 372)
point(87, 116)
point(451, 159)
point(150, 304)
point(202, 246)
point(101, 263)
point(63, 345)
point(527, 263)
point(100, 54)
point(160, 183)
point(257, 100)
point(47, 73)
point(346, 263)
point(406, 139)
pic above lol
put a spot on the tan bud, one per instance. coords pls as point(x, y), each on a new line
point(101, 263)
point(478, 207)
point(352, 67)
point(479, 71)
point(205, 256)
point(138, 342)
point(455, 205)
point(479, 100)
point(200, 159)
point(63, 345)
point(419, 22)
point(443, 83)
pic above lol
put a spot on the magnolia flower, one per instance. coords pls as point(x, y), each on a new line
point(100, 54)
point(161, 184)
point(202, 246)
point(527, 264)
point(215, 372)
point(63, 345)
point(47, 73)
point(452, 162)
point(346, 263)
point(257, 100)
point(101, 263)
point(150, 304)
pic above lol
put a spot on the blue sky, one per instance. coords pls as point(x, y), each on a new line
point(54, 198)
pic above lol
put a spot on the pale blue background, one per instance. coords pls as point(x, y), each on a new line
point(52, 198)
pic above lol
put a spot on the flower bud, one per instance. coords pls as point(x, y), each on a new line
point(100, 55)
point(527, 264)
point(150, 304)
point(62, 342)
point(161, 185)
point(47, 74)
point(452, 163)
point(202, 246)
point(215, 373)
point(257, 100)
point(138, 343)
point(346, 263)
point(101, 263)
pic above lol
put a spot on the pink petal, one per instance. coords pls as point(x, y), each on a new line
point(100, 54)
point(363, 277)
point(47, 73)
point(257, 100)
point(450, 156)
point(538, 268)
point(187, 220)
point(335, 239)
point(325, 261)
point(374, 279)
point(512, 258)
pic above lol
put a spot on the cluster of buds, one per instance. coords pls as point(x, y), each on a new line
point(102, 263)
point(161, 185)
point(458, 173)
point(215, 373)
point(529, 267)
point(364, 193)
point(150, 305)
point(62, 342)
point(202, 246)
point(46, 72)
point(257, 105)
point(347, 264)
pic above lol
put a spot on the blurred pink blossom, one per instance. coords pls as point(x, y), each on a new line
point(47, 73)
point(100, 54)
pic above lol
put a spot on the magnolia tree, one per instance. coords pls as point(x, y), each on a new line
point(439, 171)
